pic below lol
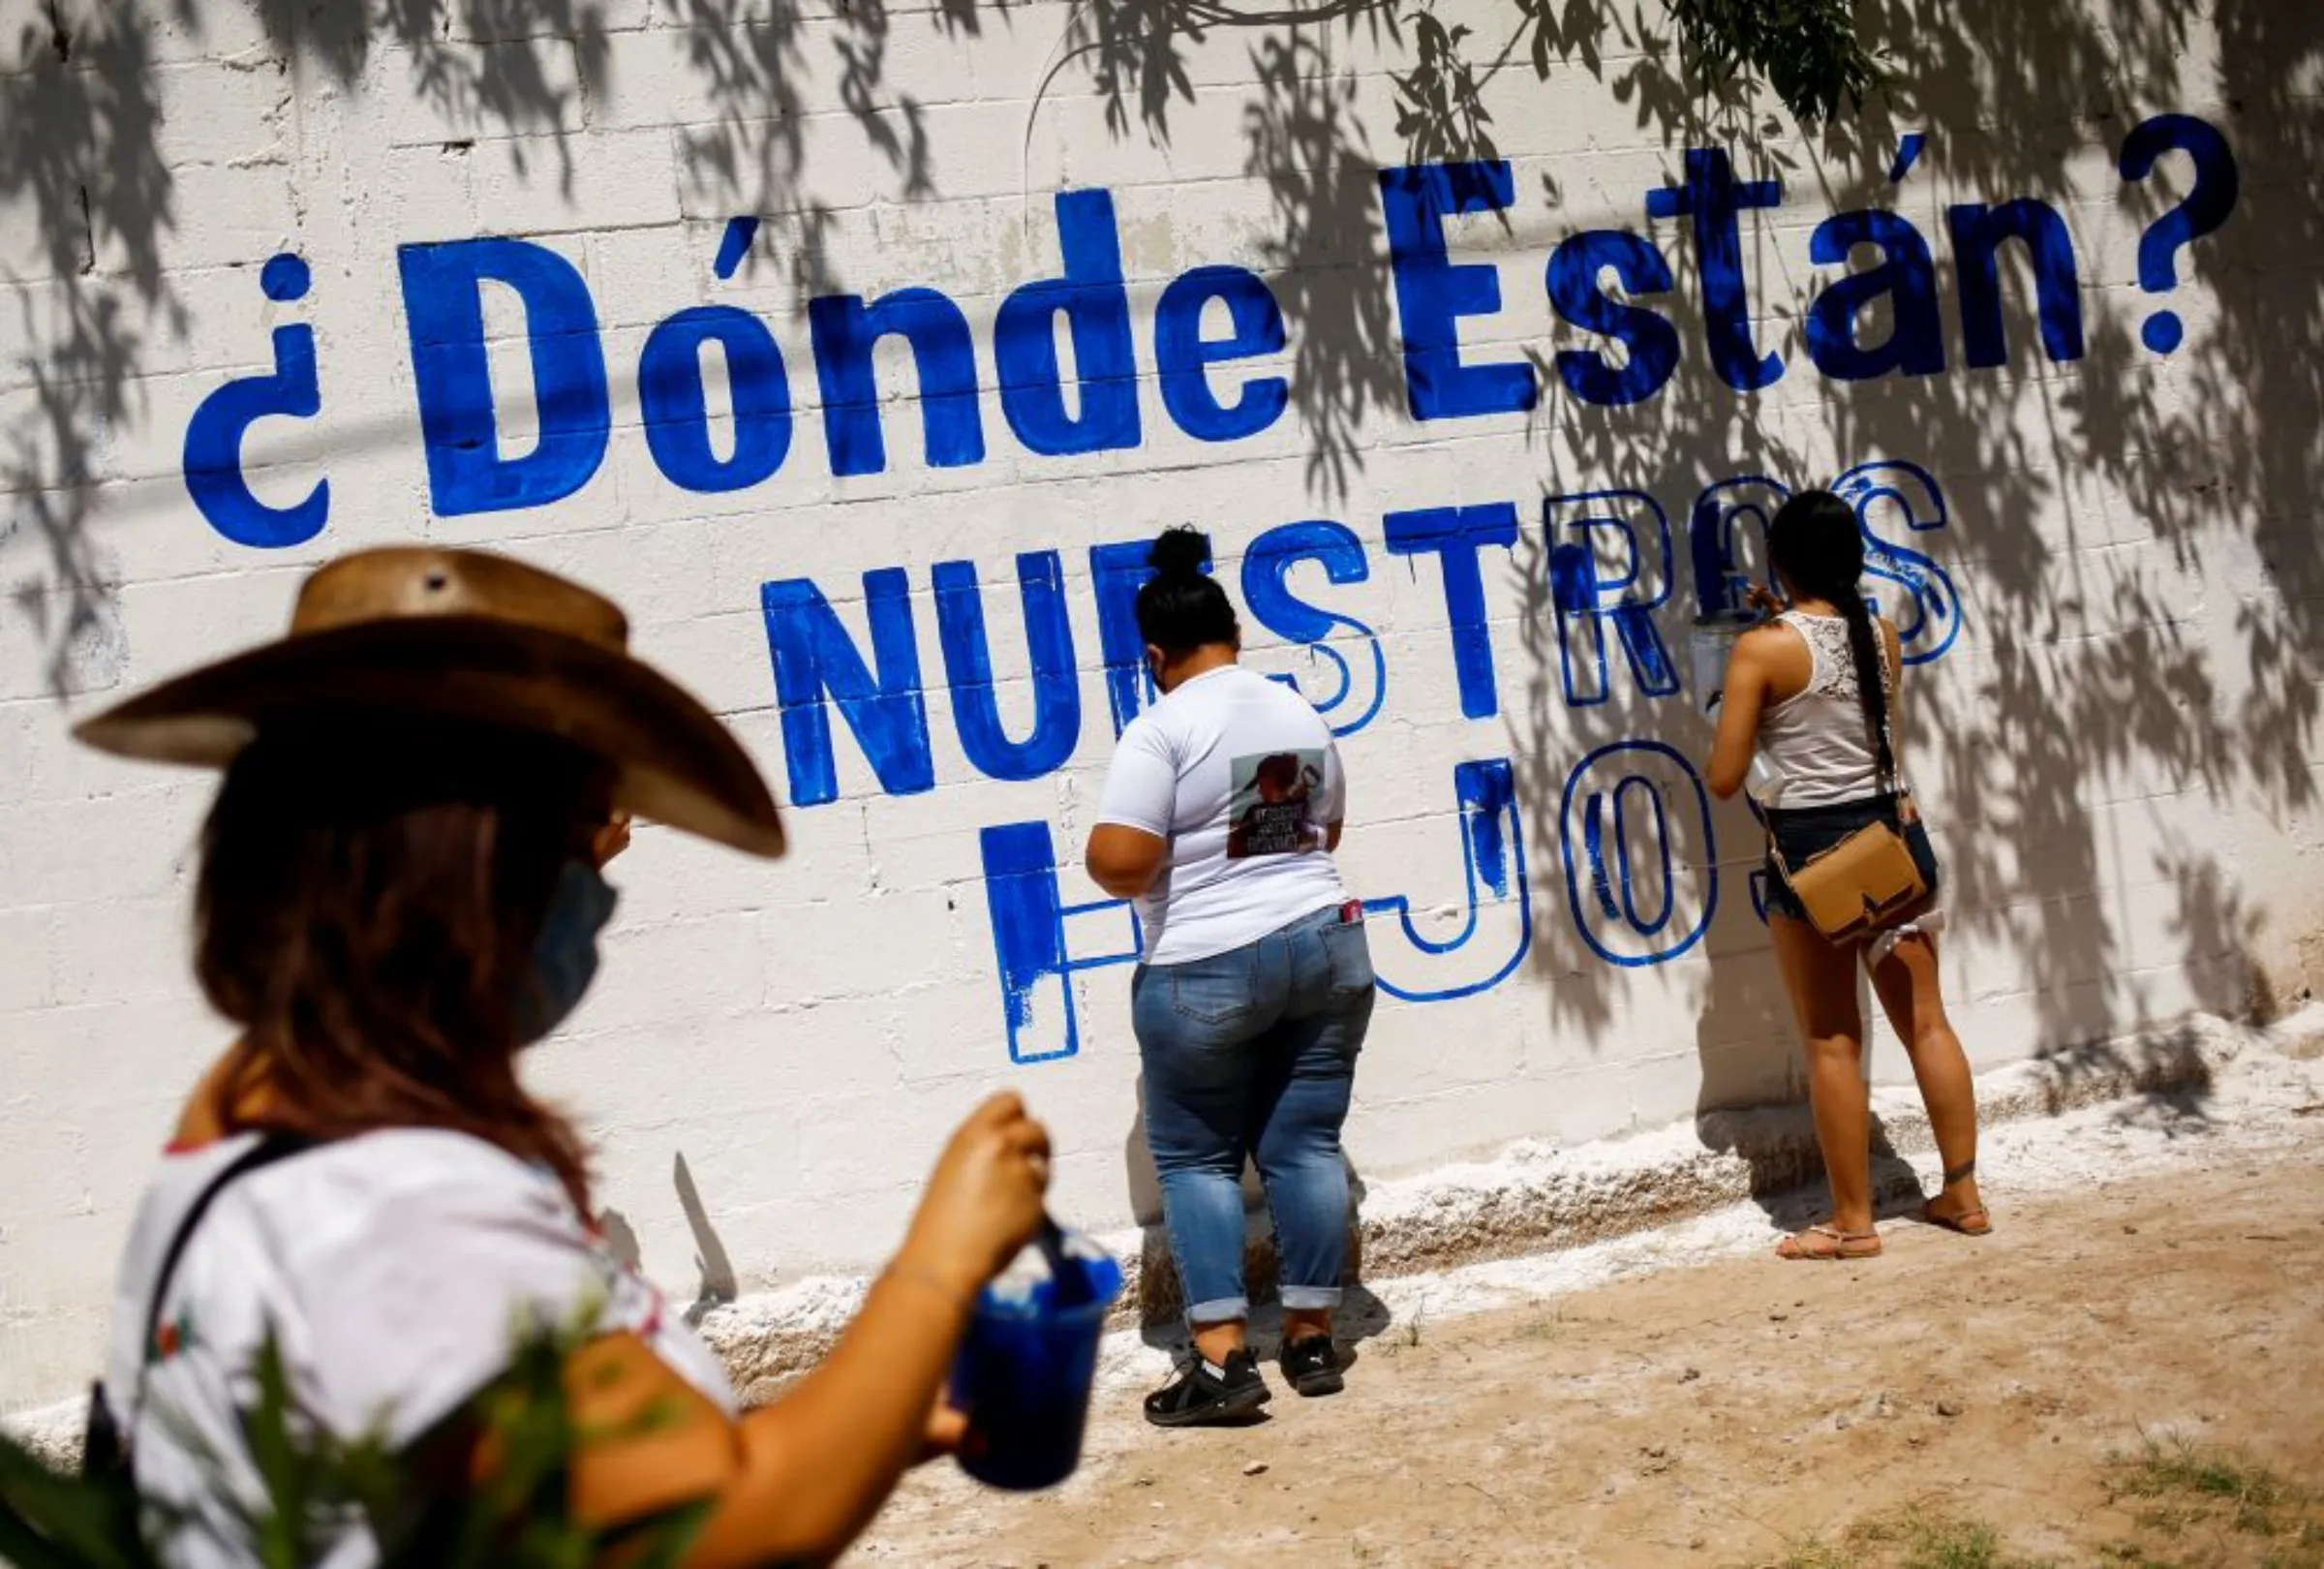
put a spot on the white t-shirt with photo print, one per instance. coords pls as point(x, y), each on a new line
point(1239, 774)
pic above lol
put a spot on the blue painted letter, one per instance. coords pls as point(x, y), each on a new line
point(1492, 849)
point(814, 658)
point(1097, 311)
point(1929, 616)
point(1433, 294)
point(1905, 277)
point(1453, 535)
point(1032, 938)
point(969, 667)
point(1641, 887)
point(1586, 601)
point(1649, 341)
point(677, 414)
point(1978, 234)
point(443, 307)
point(1183, 354)
point(1267, 594)
point(846, 329)
point(1713, 199)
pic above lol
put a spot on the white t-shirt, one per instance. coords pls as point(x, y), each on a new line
point(1240, 775)
point(396, 1270)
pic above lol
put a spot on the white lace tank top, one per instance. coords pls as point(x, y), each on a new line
point(1817, 739)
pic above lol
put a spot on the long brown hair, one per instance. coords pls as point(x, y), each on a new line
point(369, 900)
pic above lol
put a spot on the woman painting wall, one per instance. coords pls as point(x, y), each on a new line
point(1221, 811)
point(1817, 694)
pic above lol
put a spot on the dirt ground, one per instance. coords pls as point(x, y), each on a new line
point(1752, 1412)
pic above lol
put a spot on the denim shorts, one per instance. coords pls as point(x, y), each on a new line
point(1809, 831)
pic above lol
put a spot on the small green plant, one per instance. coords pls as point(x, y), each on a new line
point(1913, 1538)
point(519, 1517)
point(2187, 1492)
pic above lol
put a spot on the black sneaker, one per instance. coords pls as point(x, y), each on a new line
point(1200, 1398)
point(1312, 1365)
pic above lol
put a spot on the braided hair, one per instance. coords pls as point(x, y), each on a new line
point(1817, 545)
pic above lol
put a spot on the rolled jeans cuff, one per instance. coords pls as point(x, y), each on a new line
point(1219, 1310)
point(1308, 1299)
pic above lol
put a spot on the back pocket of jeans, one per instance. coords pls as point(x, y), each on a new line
point(1215, 993)
point(1350, 954)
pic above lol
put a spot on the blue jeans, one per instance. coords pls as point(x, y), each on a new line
point(1252, 1052)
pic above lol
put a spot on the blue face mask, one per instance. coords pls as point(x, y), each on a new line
point(565, 958)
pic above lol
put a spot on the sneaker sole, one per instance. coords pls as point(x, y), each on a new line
point(1326, 1382)
point(1226, 1410)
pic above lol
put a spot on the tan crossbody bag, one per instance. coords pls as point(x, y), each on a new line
point(1869, 880)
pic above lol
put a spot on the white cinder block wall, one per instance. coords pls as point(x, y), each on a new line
point(2103, 553)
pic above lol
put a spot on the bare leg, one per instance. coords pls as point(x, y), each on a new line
point(1821, 980)
point(1907, 981)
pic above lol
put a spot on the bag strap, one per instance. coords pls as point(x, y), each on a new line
point(271, 1147)
point(104, 1449)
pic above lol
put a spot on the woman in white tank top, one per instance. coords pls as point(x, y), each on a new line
point(1813, 694)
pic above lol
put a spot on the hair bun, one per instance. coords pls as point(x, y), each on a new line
point(1180, 552)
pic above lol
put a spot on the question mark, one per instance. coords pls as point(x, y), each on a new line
point(2203, 209)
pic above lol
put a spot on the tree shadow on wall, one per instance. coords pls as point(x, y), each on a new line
point(2082, 672)
point(2079, 736)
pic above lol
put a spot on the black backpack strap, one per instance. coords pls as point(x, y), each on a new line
point(101, 1448)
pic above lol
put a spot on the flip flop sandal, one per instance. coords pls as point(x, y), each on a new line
point(1970, 1222)
point(1844, 1244)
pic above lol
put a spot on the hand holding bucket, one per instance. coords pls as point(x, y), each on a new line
point(1023, 1372)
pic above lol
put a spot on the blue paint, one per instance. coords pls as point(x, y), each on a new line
point(1493, 860)
point(1182, 355)
point(816, 661)
point(1267, 595)
point(846, 329)
point(1032, 936)
point(968, 669)
point(1908, 153)
point(1978, 234)
point(734, 245)
point(1117, 572)
point(1650, 342)
point(212, 455)
point(1906, 278)
point(1617, 934)
point(1455, 535)
point(285, 278)
point(443, 306)
point(1096, 307)
point(1713, 198)
point(1930, 616)
point(1593, 841)
point(1660, 838)
point(2218, 185)
point(1587, 604)
point(1434, 294)
point(676, 408)
point(1720, 585)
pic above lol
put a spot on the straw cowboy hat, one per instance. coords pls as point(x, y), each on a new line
point(473, 636)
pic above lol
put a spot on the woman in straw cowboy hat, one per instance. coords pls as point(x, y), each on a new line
point(398, 891)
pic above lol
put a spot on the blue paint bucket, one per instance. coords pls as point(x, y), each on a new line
point(1023, 1370)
